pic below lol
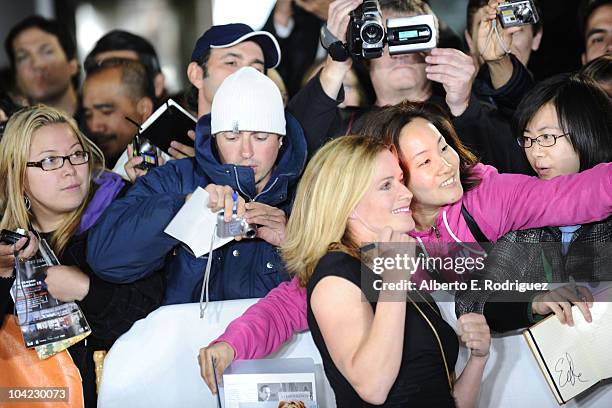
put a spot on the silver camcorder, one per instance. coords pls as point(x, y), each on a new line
point(366, 36)
point(517, 13)
point(411, 34)
point(236, 227)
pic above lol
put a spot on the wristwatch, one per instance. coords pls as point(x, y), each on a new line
point(337, 50)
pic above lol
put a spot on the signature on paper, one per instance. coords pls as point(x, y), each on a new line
point(567, 374)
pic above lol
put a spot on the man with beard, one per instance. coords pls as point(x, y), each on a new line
point(43, 57)
point(114, 90)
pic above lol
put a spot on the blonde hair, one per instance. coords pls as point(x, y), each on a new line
point(14, 153)
point(334, 182)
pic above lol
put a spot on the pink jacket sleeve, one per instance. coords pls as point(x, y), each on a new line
point(506, 202)
point(269, 323)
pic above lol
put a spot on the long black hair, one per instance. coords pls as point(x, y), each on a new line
point(387, 123)
point(584, 112)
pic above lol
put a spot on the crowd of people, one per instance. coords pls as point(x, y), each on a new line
point(325, 155)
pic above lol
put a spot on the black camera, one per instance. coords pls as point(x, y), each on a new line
point(517, 13)
point(9, 237)
point(366, 33)
point(366, 36)
point(143, 148)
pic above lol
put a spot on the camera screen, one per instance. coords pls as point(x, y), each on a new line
point(149, 159)
point(404, 35)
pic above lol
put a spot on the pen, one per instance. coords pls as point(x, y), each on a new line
point(578, 294)
point(213, 362)
point(235, 199)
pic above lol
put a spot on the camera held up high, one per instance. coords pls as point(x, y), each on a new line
point(517, 13)
point(366, 36)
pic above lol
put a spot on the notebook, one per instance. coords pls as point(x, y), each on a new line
point(169, 122)
point(573, 359)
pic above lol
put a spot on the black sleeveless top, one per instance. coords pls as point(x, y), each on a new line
point(422, 380)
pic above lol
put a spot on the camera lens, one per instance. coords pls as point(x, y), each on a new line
point(372, 33)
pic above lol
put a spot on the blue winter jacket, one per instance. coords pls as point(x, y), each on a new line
point(129, 242)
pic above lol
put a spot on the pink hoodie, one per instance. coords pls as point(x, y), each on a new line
point(500, 203)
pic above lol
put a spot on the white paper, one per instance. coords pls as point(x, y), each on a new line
point(257, 382)
point(194, 225)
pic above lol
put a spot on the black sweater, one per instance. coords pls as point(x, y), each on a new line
point(481, 128)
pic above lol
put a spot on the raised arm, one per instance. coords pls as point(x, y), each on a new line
point(259, 332)
point(316, 105)
point(505, 202)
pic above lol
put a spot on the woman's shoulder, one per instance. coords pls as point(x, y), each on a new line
point(337, 259)
point(336, 263)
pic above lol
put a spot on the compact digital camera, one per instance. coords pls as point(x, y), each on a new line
point(238, 226)
point(9, 237)
point(517, 13)
point(143, 148)
point(366, 36)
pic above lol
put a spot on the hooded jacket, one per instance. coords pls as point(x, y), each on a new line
point(500, 203)
point(129, 241)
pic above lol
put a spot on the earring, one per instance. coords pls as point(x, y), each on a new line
point(27, 202)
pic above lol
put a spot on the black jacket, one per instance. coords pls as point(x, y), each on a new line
point(509, 96)
point(110, 309)
point(481, 128)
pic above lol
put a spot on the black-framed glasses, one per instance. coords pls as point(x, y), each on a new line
point(57, 162)
point(544, 140)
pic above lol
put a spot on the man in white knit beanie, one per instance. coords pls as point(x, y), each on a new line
point(249, 156)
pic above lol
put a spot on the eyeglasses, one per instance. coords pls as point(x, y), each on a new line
point(57, 162)
point(543, 140)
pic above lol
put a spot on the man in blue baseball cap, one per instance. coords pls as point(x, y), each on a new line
point(218, 53)
point(221, 51)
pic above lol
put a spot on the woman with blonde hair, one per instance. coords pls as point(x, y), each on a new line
point(456, 200)
point(389, 352)
point(55, 186)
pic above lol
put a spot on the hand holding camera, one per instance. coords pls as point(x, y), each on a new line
point(335, 68)
point(230, 220)
point(10, 241)
point(271, 222)
point(492, 47)
point(134, 166)
point(494, 42)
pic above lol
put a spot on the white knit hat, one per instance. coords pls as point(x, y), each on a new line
point(248, 100)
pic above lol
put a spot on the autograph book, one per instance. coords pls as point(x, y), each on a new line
point(573, 359)
point(169, 122)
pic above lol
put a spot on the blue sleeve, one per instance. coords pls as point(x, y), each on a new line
point(128, 242)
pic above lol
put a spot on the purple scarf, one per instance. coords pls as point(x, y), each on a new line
point(108, 187)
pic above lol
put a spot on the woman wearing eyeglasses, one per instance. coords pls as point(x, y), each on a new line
point(55, 186)
point(564, 125)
